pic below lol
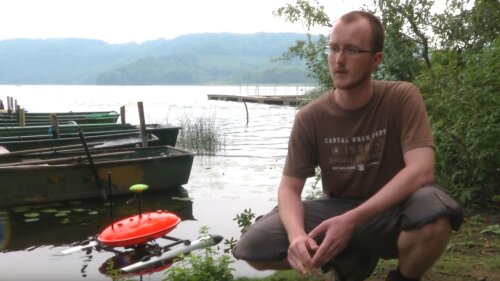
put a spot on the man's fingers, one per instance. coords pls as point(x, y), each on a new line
point(313, 246)
point(324, 254)
point(297, 265)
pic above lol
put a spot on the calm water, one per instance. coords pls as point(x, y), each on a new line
point(244, 175)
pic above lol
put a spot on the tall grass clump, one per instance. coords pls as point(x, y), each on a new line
point(200, 134)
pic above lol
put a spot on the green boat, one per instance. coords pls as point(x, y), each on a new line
point(113, 139)
point(167, 134)
point(43, 118)
point(63, 176)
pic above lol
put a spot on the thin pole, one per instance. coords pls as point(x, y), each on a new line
point(91, 163)
point(110, 201)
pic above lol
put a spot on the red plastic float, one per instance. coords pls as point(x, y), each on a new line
point(139, 229)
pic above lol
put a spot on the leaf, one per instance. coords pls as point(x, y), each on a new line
point(32, 215)
point(491, 229)
point(49, 211)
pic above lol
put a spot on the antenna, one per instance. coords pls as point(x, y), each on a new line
point(110, 200)
point(138, 189)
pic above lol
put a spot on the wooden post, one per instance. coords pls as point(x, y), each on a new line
point(9, 104)
point(122, 115)
point(246, 109)
point(142, 124)
point(18, 117)
point(22, 117)
point(55, 125)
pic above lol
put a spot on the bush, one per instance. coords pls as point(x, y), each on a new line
point(462, 95)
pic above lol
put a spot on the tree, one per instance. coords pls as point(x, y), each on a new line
point(310, 50)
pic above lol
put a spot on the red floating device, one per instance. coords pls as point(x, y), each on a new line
point(138, 229)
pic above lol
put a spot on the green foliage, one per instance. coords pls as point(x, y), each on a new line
point(208, 266)
point(244, 219)
point(317, 191)
point(401, 52)
point(461, 92)
point(310, 50)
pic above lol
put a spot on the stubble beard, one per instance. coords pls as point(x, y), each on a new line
point(356, 83)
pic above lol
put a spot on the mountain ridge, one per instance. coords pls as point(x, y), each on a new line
point(201, 58)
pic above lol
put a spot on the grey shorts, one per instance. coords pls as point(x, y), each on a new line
point(266, 240)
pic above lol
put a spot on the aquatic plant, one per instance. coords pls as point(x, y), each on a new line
point(200, 134)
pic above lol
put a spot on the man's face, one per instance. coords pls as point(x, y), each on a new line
point(350, 70)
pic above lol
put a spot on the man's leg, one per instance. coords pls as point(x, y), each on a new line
point(428, 216)
point(420, 248)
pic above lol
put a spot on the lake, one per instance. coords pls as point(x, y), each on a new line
point(244, 175)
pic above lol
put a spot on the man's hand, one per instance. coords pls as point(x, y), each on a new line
point(300, 253)
point(338, 231)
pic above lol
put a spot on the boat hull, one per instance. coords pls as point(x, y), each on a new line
point(160, 168)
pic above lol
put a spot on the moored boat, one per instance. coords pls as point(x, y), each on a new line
point(41, 118)
point(160, 167)
point(112, 139)
point(167, 134)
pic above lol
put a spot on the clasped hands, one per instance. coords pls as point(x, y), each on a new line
point(304, 253)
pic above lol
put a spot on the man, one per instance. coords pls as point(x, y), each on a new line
point(373, 143)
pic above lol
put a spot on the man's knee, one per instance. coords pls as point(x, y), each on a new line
point(440, 228)
point(425, 208)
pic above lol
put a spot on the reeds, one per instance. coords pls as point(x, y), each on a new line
point(200, 135)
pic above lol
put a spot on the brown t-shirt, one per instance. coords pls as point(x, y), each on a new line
point(358, 151)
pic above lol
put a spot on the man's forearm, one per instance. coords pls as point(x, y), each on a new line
point(407, 181)
point(290, 207)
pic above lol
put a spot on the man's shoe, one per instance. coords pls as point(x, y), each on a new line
point(351, 267)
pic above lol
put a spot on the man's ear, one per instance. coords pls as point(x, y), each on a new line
point(377, 59)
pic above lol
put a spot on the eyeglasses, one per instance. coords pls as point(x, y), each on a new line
point(348, 51)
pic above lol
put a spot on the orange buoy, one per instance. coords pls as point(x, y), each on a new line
point(138, 229)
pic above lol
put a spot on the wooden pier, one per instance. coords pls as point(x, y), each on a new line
point(291, 100)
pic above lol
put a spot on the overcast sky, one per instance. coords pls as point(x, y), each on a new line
point(123, 21)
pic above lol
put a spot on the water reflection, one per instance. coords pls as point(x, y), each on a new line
point(66, 223)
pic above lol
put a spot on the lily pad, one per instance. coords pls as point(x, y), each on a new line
point(78, 210)
point(31, 220)
point(49, 211)
point(32, 215)
point(65, 221)
point(93, 213)
point(61, 213)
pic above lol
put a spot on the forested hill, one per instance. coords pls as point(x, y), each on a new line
point(206, 58)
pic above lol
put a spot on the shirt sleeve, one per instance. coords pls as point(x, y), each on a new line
point(301, 159)
point(415, 127)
